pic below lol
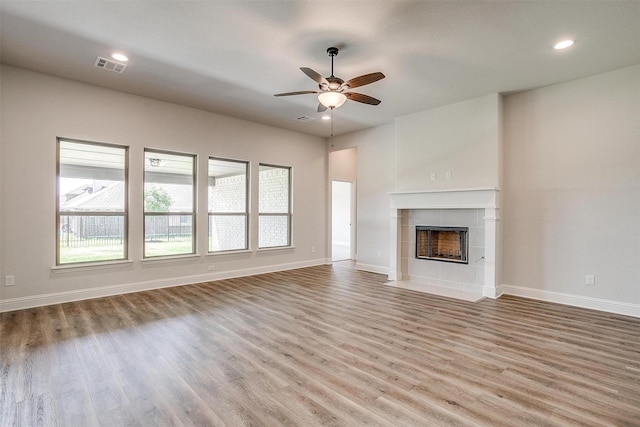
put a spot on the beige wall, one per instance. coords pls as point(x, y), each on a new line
point(37, 108)
point(343, 165)
point(567, 160)
point(462, 138)
point(375, 180)
point(572, 187)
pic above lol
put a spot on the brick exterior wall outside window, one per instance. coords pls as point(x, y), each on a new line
point(274, 197)
point(227, 232)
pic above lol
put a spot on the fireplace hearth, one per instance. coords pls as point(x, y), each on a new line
point(448, 244)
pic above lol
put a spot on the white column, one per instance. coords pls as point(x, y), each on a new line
point(491, 285)
point(395, 233)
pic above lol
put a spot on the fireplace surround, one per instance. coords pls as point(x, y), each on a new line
point(486, 200)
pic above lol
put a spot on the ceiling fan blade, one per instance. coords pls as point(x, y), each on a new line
point(321, 108)
point(300, 92)
point(317, 77)
point(365, 99)
point(364, 80)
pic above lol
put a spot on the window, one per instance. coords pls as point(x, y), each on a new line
point(228, 206)
point(91, 211)
point(274, 212)
point(169, 203)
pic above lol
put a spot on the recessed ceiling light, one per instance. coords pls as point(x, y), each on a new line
point(119, 57)
point(325, 117)
point(563, 44)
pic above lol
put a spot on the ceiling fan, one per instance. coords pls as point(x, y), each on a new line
point(332, 90)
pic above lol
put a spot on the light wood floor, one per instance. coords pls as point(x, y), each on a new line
point(317, 346)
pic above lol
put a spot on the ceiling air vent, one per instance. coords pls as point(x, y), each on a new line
point(305, 119)
point(110, 65)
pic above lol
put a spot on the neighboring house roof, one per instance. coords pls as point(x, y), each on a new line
point(111, 194)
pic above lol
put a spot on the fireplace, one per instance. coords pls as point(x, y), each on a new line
point(444, 208)
point(448, 244)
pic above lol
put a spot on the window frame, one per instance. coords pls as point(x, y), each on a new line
point(193, 213)
point(246, 212)
point(124, 213)
point(288, 214)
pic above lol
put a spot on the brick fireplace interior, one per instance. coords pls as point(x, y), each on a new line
point(449, 244)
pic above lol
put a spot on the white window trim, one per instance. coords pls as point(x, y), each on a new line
point(192, 213)
point(246, 213)
point(125, 212)
point(289, 214)
point(88, 266)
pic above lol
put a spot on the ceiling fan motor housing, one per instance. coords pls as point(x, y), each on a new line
point(335, 83)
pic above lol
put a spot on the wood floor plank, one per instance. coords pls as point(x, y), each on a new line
point(319, 346)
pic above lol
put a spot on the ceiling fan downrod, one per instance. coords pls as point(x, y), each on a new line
point(332, 51)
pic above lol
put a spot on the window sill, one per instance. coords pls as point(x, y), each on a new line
point(166, 259)
point(91, 266)
point(276, 248)
point(232, 252)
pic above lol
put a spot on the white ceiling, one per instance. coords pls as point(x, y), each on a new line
point(230, 57)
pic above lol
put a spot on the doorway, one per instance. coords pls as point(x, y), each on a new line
point(341, 220)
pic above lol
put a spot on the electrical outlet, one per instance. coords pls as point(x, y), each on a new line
point(211, 268)
point(447, 175)
point(590, 280)
point(9, 280)
point(313, 249)
point(379, 254)
point(433, 176)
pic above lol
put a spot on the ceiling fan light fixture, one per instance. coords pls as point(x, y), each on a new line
point(332, 99)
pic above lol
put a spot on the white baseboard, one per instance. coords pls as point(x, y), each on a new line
point(380, 269)
point(104, 291)
point(492, 293)
point(126, 288)
point(609, 306)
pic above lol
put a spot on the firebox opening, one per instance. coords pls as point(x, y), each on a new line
point(449, 244)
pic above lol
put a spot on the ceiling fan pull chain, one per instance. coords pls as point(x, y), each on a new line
point(332, 108)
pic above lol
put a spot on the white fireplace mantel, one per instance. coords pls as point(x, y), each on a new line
point(466, 198)
point(469, 198)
